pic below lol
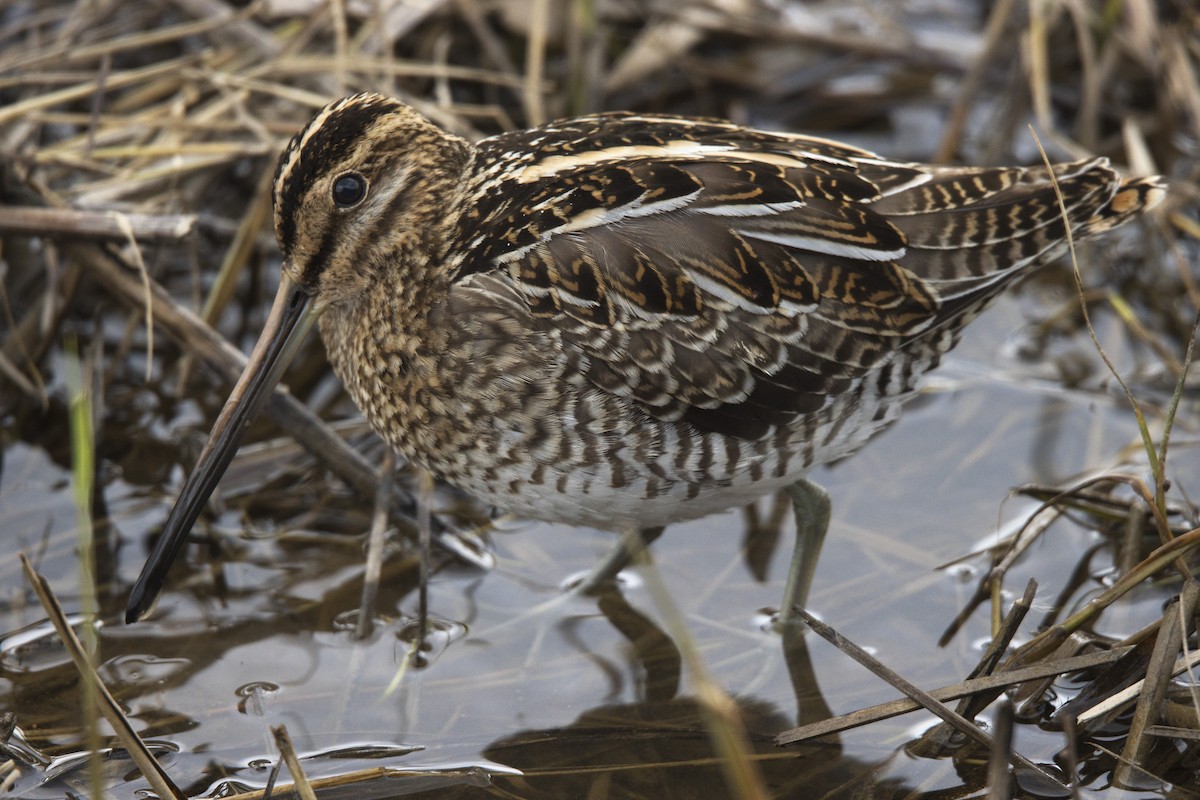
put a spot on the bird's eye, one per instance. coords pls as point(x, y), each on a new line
point(349, 190)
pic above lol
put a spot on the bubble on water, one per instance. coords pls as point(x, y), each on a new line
point(253, 696)
point(963, 573)
point(626, 580)
point(142, 670)
point(436, 638)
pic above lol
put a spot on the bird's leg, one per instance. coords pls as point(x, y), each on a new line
point(632, 540)
point(811, 506)
point(425, 532)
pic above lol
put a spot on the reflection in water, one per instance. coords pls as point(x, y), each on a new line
point(654, 742)
point(653, 651)
point(660, 749)
point(507, 686)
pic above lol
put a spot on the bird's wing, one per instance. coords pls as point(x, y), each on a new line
point(736, 279)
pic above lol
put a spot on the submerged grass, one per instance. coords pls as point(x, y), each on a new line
point(83, 468)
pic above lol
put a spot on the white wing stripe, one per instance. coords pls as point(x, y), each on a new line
point(832, 247)
point(751, 209)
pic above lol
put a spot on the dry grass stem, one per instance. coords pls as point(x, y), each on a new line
point(75, 224)
point(960, 724)
point(300, 784)
point(718, 710)
point(109, 707)
point(375, 547)
point(1000, 779)
point(1116, 701)
point(1000, 642)
point(999, 681)
point(1154, 687)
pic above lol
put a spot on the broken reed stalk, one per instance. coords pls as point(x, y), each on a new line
point(962, 725)
point(1000, 779)
point(1176, 623)
point(300, 784)
point(997, 681)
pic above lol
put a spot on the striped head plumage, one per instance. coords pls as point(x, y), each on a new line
point(358, 188)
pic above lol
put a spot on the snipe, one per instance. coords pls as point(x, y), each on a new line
point(625, 320)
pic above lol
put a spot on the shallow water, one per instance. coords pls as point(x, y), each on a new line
point(525, 692)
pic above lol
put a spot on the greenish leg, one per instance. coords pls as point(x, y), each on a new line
point(618, 558)
point(810, 504)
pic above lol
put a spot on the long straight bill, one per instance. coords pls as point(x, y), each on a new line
point(291, 317)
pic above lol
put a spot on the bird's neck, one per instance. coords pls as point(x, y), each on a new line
point(384, 347)
point(384, 343)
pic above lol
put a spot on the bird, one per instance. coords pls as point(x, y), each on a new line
point(625, 320)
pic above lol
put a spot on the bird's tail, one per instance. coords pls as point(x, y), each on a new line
point(1133, 196)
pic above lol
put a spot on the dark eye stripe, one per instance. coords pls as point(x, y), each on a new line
point(313, 267)
point(335, 137)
